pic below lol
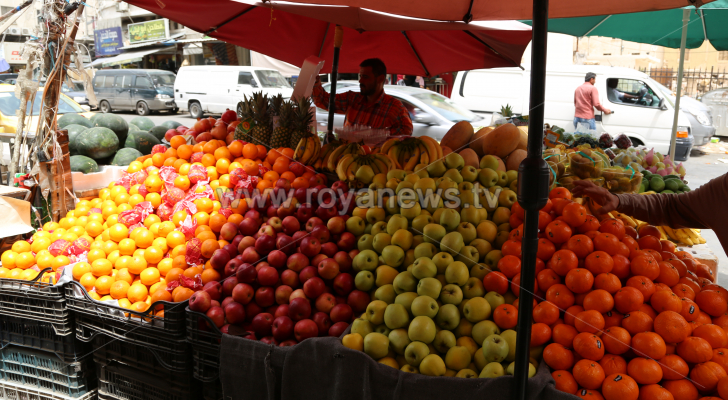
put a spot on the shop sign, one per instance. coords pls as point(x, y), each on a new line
point(108, 41)
point(150, 30)
point(12, 52)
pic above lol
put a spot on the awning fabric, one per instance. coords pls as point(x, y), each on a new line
point(122, 57)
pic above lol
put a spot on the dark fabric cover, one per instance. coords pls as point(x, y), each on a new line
point(322, 368)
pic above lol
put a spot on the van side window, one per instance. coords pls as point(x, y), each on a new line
point(117, 81)
point(108, 82)
point(128, 81)
point(244, 78)
point(142, 82)
point(98, 81)
point(631, 92)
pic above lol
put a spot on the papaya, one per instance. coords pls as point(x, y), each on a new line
point(476, 143)
point(470, 157)
point(458, 136)
point(515, 158)
point(501, 141)
point(523, 143)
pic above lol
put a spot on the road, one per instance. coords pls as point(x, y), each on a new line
point(700, 169)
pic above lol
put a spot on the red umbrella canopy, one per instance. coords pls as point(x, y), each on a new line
point(489, 10)
point(292, 32)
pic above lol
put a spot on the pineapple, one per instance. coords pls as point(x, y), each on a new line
point(506, 111)
point(282, 132)
point(302, 118)
point(275, 105)
point(260, 134)
point(242, 132)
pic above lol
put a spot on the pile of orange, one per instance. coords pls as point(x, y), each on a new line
point(627, 315)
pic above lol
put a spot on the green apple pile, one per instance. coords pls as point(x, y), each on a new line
point(423, 261)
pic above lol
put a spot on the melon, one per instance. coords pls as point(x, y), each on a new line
point(171, 124)
point(476, 143)
point(83, 164)
point(143, 123)
point(501, 141)
point(458, 136)
point(159, 131)
point(125, 156)
point(72, 118)
point(470, 157)
point(115, 123)
point(523, 143)
point(142, 141)
point(97, 143)
point(73, 131)
point(515, 158)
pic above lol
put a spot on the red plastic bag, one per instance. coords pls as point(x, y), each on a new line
point(197, 173)
point(59, 247)
point(193, 251)
point(159, 148)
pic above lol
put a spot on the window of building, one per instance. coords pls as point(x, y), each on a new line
point(723, 56)
point(636, 54)
point(607, 54)
point(4, 10)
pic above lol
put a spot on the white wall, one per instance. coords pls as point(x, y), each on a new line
point(559, 50)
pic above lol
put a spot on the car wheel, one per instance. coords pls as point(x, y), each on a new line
point(142, 108)
point(174, 110)
point(195, 110)
point(104, 106)
point(636, 142)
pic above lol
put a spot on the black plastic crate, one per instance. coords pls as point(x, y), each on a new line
point(108, 350)
point(12, 391)
point(41, 336)
point(120, 321)
point(204, 339)
point(122, 382)
point(45, 371)
point(212, 390)
point(37, 300)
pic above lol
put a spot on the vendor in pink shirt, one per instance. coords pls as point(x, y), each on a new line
point(586, 99)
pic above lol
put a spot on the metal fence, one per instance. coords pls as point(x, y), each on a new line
point(696, 82)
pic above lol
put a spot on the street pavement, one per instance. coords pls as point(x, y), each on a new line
point(701, 167)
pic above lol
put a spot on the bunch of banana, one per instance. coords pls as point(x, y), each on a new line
point(307, 150)
point(348, 167)
point(326, 151)
point(409, 152)
point(330, 162)
point(686, 236)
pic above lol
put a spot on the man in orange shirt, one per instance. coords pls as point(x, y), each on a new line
point(586, 99)
point(370, 106)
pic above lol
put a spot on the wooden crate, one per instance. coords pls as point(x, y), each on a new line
point(61, 194)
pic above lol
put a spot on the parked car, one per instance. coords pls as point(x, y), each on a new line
point(646, 120)
point(432, 113)
point(215, 88)
point(76, 92)
point(717, 101)
point(698, 114)
point(141, 90)
point(339, 84)
point(5, 77)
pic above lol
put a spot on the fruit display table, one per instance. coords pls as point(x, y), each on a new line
point(322, 368)
point(704, 255)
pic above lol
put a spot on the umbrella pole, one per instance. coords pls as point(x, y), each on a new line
point(533, 189)
point(338, 38)
point(683, 40)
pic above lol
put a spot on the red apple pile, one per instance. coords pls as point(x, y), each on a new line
point(286, 275)
point(206, 129)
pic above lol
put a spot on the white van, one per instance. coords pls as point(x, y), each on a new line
point(646, 119)
point(215, 88)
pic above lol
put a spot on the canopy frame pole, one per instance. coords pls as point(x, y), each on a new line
point(427, 73)
point(484, 43)
point(229, 20)
point(596, 26)
point(338, 38)
point(678, 92)
point(533, 190)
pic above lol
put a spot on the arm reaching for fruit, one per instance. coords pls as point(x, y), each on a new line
point(700, 208)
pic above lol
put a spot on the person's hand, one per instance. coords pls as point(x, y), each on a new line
point(607, 111)
point(600, 195)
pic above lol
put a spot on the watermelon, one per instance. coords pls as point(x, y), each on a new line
point(115, 123)
point(73, 130)
point(159, 131)
point(96, 143)
point(125, 156)
point(142, 123)
point(72, 118)
point(171, 124)
point(83, 164)
point(95, 117)
point(142, 141)
point(134, 128)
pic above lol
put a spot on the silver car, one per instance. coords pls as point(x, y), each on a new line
point(698, 114)
point(432, 113)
